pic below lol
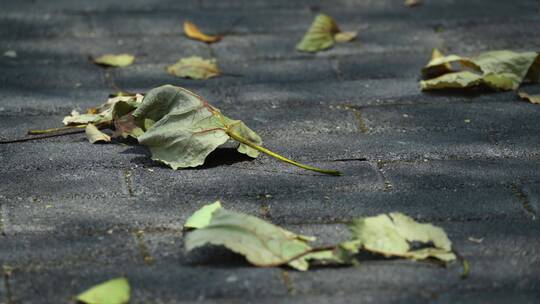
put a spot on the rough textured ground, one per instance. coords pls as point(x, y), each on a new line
point(75, 214)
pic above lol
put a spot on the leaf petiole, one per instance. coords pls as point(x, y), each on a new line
point(246, 142)
point(54, 130)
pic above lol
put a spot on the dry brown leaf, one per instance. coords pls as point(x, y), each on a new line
point(193, 32)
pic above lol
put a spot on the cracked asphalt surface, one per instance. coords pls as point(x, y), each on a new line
point(75, 214)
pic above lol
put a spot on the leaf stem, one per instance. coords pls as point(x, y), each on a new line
point(246, 142)
point(54, 130)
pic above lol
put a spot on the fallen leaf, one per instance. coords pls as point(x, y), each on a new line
point(10, 54)
point(263, 244)
point(192, 31)
point(94, 135)
point(411, 3)
point(322, 34)
point(392, 235)
point(500, 70)
point(181, 129)
point(436, 69)
point(195, 67)
point(112, 60)
point(100, 114)
point(531, 98)
point(115, 291)
point(201, 218)
point(463, 79)
point(475, 240)
point(345, 36)
point(123, 120)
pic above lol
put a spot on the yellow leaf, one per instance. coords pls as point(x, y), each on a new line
point(195, 67)
point(531, 98)
point(94, 135)
point(461, 79)
point(192, 31)
point(115, 291)
point(112, 60)
point(345, 36)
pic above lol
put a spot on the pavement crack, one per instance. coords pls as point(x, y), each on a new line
point(127, 181)
point(7, 272)
point(264, 209)
point(2, 229)
point(143, 249)
point(334, 63)
point(387, 185)
point(285, 277)
point(524, 199)
point(361, 159)
point(359, 120)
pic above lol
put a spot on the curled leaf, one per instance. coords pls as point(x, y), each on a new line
point(192, 31)
point(94, 135)
point(393, 234)
point(345, 36)
point(500, 70)
point(101, 114)
point(115, 291)
point(201, 218)
point(112, 60)
point(263, 244)
point(195, 67)
point(322, 34)
point(531, 98)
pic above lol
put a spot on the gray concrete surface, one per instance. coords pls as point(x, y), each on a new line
point(74, 214)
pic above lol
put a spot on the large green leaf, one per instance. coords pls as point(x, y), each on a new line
point(500, 70)
point(392, 235)
point(115, 291)
point(186, 127)
point(263, 244)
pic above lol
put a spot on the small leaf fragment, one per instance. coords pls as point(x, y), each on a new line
point(262, 243)
point(201, 218)
point(94, 135)
point(345, 36)
point(195, 67)
point(115, 60)
point(192, 31)
point(392, 235)
point(322, 34)
point(115, 291)
point(531, 98)
point(411, 3)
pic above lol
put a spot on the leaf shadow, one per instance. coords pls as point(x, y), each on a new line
point(219, 157)
point(214, 255)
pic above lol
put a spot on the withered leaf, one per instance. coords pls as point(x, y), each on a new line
point(192, 31)
point(115, 60)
